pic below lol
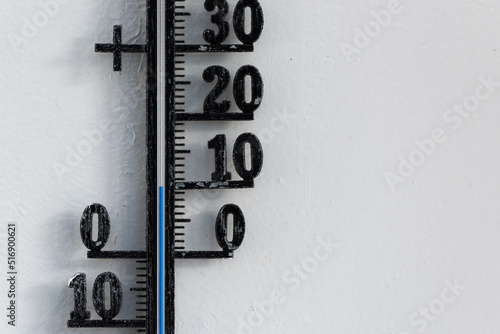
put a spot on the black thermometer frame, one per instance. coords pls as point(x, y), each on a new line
point(158, 317)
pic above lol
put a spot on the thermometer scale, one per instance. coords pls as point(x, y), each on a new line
point(166, 155)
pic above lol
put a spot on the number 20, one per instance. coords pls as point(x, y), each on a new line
point(223, 78)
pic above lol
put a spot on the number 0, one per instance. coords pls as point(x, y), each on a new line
point(238, 227)
point(239, 88)
point(257, 21)
point(256, 156)
point(104, 227)
point(115, 297)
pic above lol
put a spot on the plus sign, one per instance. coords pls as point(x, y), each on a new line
point(117, 48)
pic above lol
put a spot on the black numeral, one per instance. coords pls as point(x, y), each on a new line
point(239, 89)
point(256, 155)
point(115, 296)
point(238, 227)
point(103, 227)
point(218, 19)
point(257, 21)
point(79, 284)
point(218, 144)
point(210, 105)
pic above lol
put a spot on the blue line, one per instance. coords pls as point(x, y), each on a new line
point(161, 275)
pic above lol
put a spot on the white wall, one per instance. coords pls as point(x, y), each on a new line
point(418, 255)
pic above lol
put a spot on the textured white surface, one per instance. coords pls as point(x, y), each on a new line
point(331, 128)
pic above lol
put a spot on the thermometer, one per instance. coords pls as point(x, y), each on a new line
point(164, 221)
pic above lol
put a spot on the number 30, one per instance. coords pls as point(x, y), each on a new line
point(257, 25)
